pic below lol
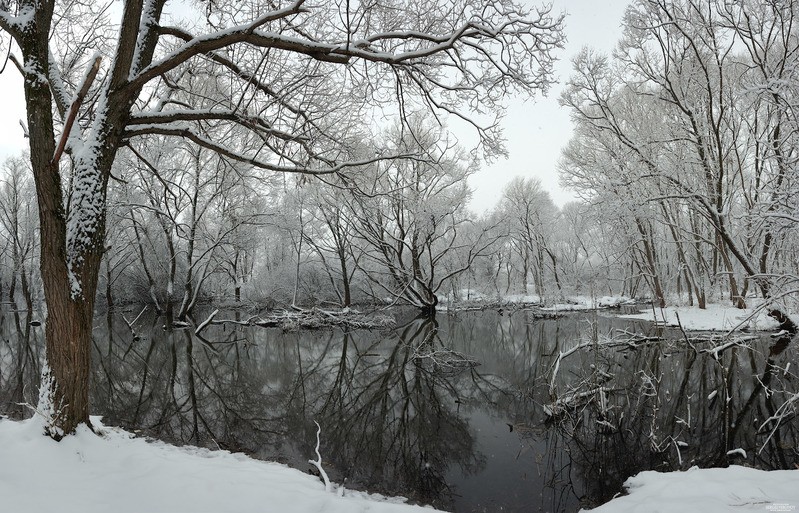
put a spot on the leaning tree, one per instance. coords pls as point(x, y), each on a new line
point(283, 86)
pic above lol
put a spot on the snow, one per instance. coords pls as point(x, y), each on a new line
point(46, 407)
point(148, 21)
point(568, 304)
point(579, 303)
point(714, 490)
point(521, 299)
point(87, 199)
point(714, 318)
point(22, 21)
point(34, 71)
point(119, 473)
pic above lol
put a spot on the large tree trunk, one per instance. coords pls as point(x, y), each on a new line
point(69, 322)
point(70, 258)
point(64, 398)
point(69, 289)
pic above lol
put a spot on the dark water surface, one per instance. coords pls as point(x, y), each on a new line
point(461, 413)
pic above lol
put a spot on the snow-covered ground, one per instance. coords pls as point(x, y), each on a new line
point(568, 304)
point(119, 473)
point(471, 295)
point(714, 490)
point(578, 303)
point(714, 318)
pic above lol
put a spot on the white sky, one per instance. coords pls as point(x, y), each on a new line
point(535, 131)
point(12, 107)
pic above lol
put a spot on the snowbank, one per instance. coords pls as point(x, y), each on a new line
point(119, 473)
point(714, 490)
point(523, 299)
point(713, 318)
point(568, 304)
point(579, 303)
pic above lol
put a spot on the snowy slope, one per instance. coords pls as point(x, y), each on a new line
point(715, 490)
point(714, 318)
point(118, 473)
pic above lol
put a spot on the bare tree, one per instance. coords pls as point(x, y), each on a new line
point(411, 217)
point(530, 214)
point(331, 236)
point(18, 222)
point(692, 113)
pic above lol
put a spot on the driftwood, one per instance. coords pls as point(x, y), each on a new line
point(291, 320)
point(479, 305)
point(545, 314)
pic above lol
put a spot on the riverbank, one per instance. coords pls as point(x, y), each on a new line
point(715, 317)
point(713, 490)
point(118, 472)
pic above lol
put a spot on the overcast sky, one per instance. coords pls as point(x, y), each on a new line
point(535, 131)
point(13, 110)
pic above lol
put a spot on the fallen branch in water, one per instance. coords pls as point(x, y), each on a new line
point(736, 342)
point(447, 361)
point(131, 323)
point(786, 409)
point(561, 356)
point(206, 322)
point(318, 319)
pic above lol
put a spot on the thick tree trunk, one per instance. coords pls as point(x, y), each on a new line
point(69, 322)
point(69, 265)
point(64, 396)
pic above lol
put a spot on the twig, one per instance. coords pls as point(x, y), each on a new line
point(318, 462)
point(556, 367)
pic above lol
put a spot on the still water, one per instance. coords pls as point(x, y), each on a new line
point(463, 412)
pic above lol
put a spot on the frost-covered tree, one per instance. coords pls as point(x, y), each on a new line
point(410, 217)
point(18, 226)
point(693, 120)
point(300, 80)
point(330, 233)
point(530, 216)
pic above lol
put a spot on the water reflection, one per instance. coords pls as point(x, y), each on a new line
point(456, 413)
point(20, 355)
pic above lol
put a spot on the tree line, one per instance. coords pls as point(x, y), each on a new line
point(687, 137)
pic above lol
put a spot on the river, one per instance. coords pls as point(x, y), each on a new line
point(462, 413)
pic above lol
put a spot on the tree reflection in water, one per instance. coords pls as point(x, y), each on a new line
point(451, 413)
point(21, 353)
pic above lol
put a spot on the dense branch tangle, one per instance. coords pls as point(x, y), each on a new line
point(692, 117)
point(450, 70)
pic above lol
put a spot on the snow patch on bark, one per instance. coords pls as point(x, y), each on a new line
point(87, 199)
point(148, 21)
point(46, 408)
point(22, 21)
